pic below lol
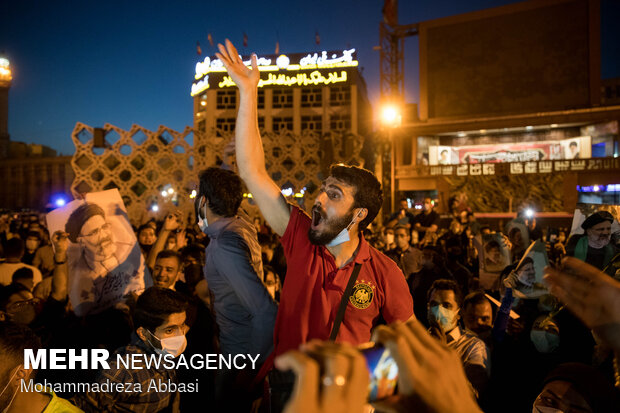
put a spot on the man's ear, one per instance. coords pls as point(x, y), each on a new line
point(361, 215)
point(142, 333)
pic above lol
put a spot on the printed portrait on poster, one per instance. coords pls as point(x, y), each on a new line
point(105, 265)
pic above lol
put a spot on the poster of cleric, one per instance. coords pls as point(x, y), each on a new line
point(595, 236)
point(105, 264)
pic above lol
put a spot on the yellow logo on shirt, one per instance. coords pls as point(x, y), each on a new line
point(362, 294)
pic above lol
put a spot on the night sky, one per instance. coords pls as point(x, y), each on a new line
point(126, 62)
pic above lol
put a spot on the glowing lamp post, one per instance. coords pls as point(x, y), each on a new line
point(391, 118)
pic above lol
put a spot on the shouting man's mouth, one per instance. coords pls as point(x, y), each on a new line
point(317, 217)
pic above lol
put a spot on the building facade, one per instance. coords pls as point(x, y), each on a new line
point(511, 112)
point(312, 110)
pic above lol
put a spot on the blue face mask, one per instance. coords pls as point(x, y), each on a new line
point(544, 341)
point(343, 236)
point(444, 317)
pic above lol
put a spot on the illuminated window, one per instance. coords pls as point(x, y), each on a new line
point(282, 98)
point(261, 99)
point(311, 98)
point(339, 122)
point(226, 99)
point(225, 125)
point(314, 123)
point(340, 95)
point(282, 123)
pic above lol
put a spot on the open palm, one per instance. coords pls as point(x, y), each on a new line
point(244, 77)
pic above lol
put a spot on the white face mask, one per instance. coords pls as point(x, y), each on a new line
point(343, 236)
point(545, 409)
point(170, 345)
point(14, 394)
point(202, 222)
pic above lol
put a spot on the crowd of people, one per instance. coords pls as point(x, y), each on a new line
point(294, 293)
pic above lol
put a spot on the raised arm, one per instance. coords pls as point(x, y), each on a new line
point(249, 147)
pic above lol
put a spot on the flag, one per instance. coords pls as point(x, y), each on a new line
point(198, 49)
point(210, 38)
point(277, 48)
point(245, 40)
point(317, 38)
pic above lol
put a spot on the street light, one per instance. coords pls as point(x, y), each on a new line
point(391, 118)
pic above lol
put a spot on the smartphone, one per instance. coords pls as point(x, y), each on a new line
point(382, 369)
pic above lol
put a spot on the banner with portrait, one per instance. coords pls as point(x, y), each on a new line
point(105, 264)
point(526, 280)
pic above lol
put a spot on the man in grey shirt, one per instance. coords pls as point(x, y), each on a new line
point(244, 311)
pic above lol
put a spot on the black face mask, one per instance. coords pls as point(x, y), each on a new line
point(146, 248)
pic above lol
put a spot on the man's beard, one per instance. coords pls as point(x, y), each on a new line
point(598, 241)
point(105, 249)
point(333, 226)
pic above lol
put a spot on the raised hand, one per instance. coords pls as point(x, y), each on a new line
point(591, 295)
point(245, 78)
point(430, 375)
point(173, 221)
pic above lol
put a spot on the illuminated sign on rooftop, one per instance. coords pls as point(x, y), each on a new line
point(289, 63)
point(311, 61)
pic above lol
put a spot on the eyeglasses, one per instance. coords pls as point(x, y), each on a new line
point(97, 231)
point(17, 306)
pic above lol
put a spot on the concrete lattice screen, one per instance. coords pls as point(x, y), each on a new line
point(142, 163)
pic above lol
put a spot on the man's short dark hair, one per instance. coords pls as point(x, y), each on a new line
point(143, 227)
point(169, 254)
point(447, 285)
point(14, 248)
point(14, 338)
point(7, 291)
point(79, 217)
point(223, 190)
point(155, 305)
point(24, 273)
point(573, 143)
point(367, 189)
point(477, 297)
point(34, 234)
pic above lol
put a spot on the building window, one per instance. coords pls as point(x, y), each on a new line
point(340, 95)
point(261, 99)
point(340, 122)
point(282, 123)
point(227, 99)
point(311, 98)
point(225, 125)
point(313, 123)
point(282, 98)
point(261, 122)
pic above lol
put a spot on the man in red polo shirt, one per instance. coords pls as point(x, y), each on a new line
point(322, 250)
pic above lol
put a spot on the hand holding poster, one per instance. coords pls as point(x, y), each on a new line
point(104, 260)
point(526, 278)
point(494, 257)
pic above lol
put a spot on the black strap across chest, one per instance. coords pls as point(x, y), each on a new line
point(343, 302)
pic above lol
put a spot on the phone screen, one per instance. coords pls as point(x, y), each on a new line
point(382, 369)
